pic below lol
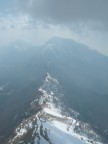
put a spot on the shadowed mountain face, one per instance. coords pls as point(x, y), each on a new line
point(81, 71)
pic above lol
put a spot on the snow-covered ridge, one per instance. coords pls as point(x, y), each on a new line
point(51, 93)
point(49, 125)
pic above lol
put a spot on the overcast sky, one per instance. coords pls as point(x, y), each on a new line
point(36, 21)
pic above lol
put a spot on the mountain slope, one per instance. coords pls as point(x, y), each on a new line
point(83, 75)
point(50, 125)
point(81, 71)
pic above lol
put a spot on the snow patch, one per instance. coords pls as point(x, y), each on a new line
point(52, 112)
point(20, 132)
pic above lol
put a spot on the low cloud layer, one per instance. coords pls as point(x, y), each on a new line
point(65, 12)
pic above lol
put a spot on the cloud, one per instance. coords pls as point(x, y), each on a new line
point(16, 22)
point(66, 12)
point(38, 20)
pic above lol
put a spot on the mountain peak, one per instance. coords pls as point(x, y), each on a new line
point(60, 40)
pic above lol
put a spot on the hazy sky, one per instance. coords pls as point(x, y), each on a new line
point(36, 21)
